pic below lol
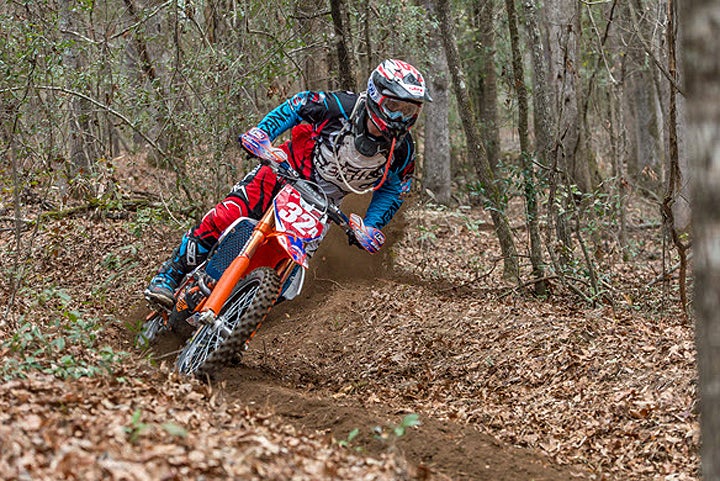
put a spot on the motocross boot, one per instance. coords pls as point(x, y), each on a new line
point(187, 256)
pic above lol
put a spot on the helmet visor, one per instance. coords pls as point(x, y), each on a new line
point(397, 109)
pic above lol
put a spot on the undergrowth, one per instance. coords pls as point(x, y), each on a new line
point(69, 345)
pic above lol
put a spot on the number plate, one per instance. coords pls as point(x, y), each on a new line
point(296, 217)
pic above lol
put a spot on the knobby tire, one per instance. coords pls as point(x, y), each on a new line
point(246, 308)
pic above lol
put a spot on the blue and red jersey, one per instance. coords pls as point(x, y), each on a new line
point(326, 115)
point(319, 122)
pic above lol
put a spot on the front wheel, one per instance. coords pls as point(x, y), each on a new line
point(215, 344)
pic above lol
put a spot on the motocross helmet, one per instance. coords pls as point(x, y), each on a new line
point(395, 93)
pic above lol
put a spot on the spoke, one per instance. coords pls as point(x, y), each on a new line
point(209, 338)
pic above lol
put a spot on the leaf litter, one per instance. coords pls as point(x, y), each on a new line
point(606, 391)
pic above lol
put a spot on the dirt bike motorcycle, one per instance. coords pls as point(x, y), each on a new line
point(254, 265)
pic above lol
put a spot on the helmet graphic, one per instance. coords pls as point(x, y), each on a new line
point(395, 93)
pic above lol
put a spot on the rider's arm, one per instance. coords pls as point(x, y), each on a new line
point(299, 107)
point(385, 202)
point(388, 198)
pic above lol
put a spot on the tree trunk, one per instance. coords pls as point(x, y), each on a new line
point(542, 115)
point(371, 61)
point(475, 147)
point(436, 159)
point(646, 160)
point(701, 44)
point(525, 154)
point(674, 178)
point(338, 10)
point(216, 24)
point(571, 149)
point(82, 149)
point(562, 43)
point(544, 123)
point(483, 79)
point(314, 61)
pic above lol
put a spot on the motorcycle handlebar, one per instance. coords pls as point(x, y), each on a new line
point(285, 171)
point(258, 145)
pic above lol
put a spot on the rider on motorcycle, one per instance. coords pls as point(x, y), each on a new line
point(344, 141)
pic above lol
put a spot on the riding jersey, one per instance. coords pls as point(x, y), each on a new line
point(336, 164)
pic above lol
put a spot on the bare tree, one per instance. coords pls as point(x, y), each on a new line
point(542, 114)
point(674, 180)
point(530, 184)
point(82, 149)
point(483, 78)
point(570, 143)
point(475, 146)
point(701, 43)
point(346, 62)
point(436, 159)
point(641, 100)
point(314, 58)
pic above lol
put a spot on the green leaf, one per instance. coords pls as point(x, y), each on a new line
point(136, 417)
point(411, 420)
point(59, 343)
point(175, 430)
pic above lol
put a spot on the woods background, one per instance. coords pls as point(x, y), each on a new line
point(569, 108)
point(572, 106)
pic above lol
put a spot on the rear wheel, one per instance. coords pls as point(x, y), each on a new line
point(216, 344)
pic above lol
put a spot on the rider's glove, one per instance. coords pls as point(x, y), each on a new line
point(369, 238)
point(258, 137)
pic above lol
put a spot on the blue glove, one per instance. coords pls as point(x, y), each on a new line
point(369, 238)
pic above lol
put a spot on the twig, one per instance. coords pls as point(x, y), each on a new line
point(666, 274)
point(528, 283)
point(474, 279)
point(168, 354)
point(141, 21)
point(651, 54)
point(315, 278)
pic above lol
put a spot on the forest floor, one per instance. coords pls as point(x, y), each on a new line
point(418, 363)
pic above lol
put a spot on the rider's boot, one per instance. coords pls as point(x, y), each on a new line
point(188, 255)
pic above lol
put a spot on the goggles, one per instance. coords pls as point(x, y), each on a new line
point(396, 109)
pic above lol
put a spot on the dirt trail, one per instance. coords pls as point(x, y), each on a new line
point(456, 451)
point(280, 375)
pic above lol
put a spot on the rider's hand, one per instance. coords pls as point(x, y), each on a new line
point(369, 238)
point(254, 136)
point(256, 140)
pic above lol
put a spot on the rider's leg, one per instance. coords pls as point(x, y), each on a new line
point(193, 250)
point(249, 198)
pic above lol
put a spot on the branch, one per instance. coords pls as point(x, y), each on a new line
point(651, 54)
point(126, 205)
point(141, 21)
point(106, 108)
point(603, 40)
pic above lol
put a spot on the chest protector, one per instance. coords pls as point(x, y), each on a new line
point(359, 171)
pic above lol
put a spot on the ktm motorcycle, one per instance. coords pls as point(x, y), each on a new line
point(254, 265)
